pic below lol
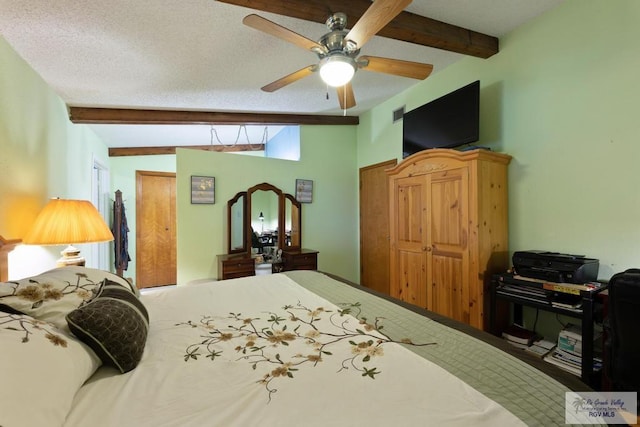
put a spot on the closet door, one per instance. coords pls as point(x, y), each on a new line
point(447, 243)
point(155, 229)
point(374, 226)
point(408, 197)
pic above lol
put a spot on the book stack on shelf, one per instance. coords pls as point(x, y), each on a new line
point(519, 337)
point(568, 353)
point(528, 340)
point(541, 348)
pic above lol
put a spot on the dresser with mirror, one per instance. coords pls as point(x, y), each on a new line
point(264, 234)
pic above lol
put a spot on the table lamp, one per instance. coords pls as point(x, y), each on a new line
point(68, 222)
point(261, 218)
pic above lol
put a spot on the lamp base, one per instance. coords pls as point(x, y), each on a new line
point(70, 256)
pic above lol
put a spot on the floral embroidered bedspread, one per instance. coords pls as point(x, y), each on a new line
point(295, 338)
point(265, 351)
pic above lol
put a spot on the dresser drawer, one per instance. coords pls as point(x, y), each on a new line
point(234, 267)
point(236, 274)
point(306, 260)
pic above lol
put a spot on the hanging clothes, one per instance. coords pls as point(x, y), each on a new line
point(120, 232)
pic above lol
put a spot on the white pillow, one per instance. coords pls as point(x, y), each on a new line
point(50, 296)
point(98, 276)
point(41, 369)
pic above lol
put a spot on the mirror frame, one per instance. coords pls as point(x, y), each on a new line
point(246, 220)
point(230, 204)
point(294, 203)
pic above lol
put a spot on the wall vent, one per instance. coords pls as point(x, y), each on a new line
point(397, 114)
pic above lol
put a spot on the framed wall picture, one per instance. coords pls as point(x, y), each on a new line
point(203, 190)
point(304, 190)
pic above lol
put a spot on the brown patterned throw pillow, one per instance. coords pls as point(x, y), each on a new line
point(114, 324)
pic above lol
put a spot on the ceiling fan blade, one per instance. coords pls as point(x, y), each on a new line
point(269, 27)
point(397, 67)
point(346, 97)
point(293, 77)
point(379, 14)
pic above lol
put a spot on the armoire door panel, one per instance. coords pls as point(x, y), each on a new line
point(410, 208)
point(449, 286)
point(449, 208)
point(447, 240)
point(408, 226)
point(412, 286)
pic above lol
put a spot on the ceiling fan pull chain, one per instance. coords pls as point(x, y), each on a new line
point(344, 98)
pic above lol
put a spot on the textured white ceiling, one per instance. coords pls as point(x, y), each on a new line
point(197, 55)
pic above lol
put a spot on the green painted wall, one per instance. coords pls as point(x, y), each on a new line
point(329, 223)
point(43, 155)
point(561, 97)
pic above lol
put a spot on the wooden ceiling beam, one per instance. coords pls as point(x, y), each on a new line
point(407, 26)
point(123, 116)
point(154, 151)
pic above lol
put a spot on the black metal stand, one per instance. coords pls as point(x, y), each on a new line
point(586, 313)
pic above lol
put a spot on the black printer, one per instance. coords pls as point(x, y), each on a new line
point(555, 267)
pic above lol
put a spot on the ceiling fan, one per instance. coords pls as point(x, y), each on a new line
point(338, 50)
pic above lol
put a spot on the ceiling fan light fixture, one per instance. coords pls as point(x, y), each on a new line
point(337, 70)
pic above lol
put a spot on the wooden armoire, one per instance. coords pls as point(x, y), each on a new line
point(448, 230)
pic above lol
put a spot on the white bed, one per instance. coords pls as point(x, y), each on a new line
point(297, 348)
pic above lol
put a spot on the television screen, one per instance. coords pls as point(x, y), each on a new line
point(446, 122)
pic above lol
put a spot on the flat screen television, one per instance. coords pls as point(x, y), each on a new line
point(446, 122)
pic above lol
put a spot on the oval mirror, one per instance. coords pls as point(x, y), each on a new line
point(264, 220)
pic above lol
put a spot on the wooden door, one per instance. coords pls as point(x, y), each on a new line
point(374, 226)
point(447, 244)
point(408, 216)
point(155, 229)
